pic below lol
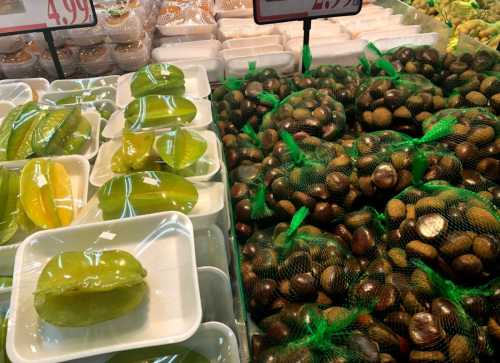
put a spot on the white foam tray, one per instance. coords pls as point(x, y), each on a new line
point(78, 169)
point(5, 107)
point(18, 93)
point(211, 197)
point(251, 51)
point(51, 98)
point(252, 42)
point(188, 29)
point(213, 66)
point(210, 247)
point(345, 54)
point(216, 296)
point(203, 119)
point(168, 53)
point(38, 85)
point(170, 313)
point(407, 30)
point(67, 85)
point(101, 172)
point(197, 85)
point(7, 258)
point(282, 62)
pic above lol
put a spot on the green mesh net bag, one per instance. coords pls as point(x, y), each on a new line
point(474, 140)
point(313, 173)
point(388, 161)
point(313, 112)
point(242, 148)
point(237, 101)
point(398, 101)
point(454, 230)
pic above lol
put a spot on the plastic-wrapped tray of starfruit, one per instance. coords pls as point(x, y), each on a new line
point(41, 194)
point(32, 130)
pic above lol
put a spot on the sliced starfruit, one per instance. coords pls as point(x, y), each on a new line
point(19, 146)
point(158, 79)
point(89, 287)
point(157, 112)
point(168, 353)
point(46, 194)
point(181, 148)
point(9, 194)
point(7, 127)
point(144, 193)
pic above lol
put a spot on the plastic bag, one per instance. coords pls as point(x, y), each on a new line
point(398, 101)
point(309, 112)
point(388, 161)
point(473, 139)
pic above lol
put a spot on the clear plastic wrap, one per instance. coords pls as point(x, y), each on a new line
point(18, 93)
point(170, 313)
point(68, 85)
point(123, 25)
point(21, 64)
point(132, 56)
point(96, 60)
point(120, 156)
point(12, 43)
point(41, 194)
point(69, 98)
point(67, 57)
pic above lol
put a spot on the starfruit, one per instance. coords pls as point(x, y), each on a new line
point(137, 148)
point(5, 282)
point(181, 148)
point(7, 127)
point(56, 130)
point(46, 194)
point(144, 193)
point(89, 287)
point(79, 139)
point(158, 79)
point(19, 146)
point(168, 353)
point(9, 194)
point(3, 336)
point(156, 112)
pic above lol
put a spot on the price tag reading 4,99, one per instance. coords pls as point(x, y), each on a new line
point(68, 12)
point(275, 11)
point(39, 15)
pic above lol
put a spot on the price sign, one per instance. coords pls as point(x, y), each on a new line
point(22, 16)
point(275, 11)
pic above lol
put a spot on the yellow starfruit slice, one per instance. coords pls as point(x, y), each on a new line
point(85, 288)
point(46, 193)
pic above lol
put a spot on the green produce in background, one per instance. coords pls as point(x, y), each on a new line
point(9, 193)
point(157, 111)
point(145, 193)
point(158, 79)
point(86, 288)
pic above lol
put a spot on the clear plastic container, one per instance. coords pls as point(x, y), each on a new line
point(252, 42)
point(39, 86)
point(216, 296)
point(21, 64)
point(18, 93)
point(383, 23)
point(96, 60)
point(234, 8)
point(12, 43)
point(68, 57)
point(210, 247)
point(132, 56)
point(65, 85)
point(228, 54)
point(184, 19)
point(60, 38)
point(395, 31)
point(123, 26)
point(85, 37)
point(170, 313)
point(282, 62)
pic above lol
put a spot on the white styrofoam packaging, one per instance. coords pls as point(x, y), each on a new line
point(8, 256)
point(213, 340)
point(396, 32)
point(195, 77)
point(68, 85)
point(38, 85)
point(167, 53)
point(232, 53)
point(244, 30)
point(188, 29)
point(102, 94)
point(364, 15)
point(274, 39)
point(216, 296)
point(383, 23)
point(158, 41)
point(170, 312)
point(203, 119)
point(5, 107)
point(101, 172)
point(210, 247)
point(295, 44)
point(344, 54)
point(213, 66)
point(413, 40)
point(78, 169)
point(211, 199)
point(18, 93)
point(282, 62)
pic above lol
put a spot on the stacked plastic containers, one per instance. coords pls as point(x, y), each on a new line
point(17, 60)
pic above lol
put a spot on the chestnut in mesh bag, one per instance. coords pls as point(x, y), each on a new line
point(310, 111)
point(236, 101)
point(387, 161)
point(398, 101)
point(475, 139)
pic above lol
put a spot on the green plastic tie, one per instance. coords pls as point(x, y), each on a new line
point(269, 99)
point(249, 131)
point(233, 83)
point(474, 4)
point(373, 48)
point(297, 220)
point(388, 68)
point(418, 167)
point(379, 220)
point(306, 57)
point(259, 208)
point(365, 65)
point(441, 129)
point(296, 153)
point(252, 70)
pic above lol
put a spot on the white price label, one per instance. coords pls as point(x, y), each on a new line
point(274, 11)
point(107, 235)
point(32, 15)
